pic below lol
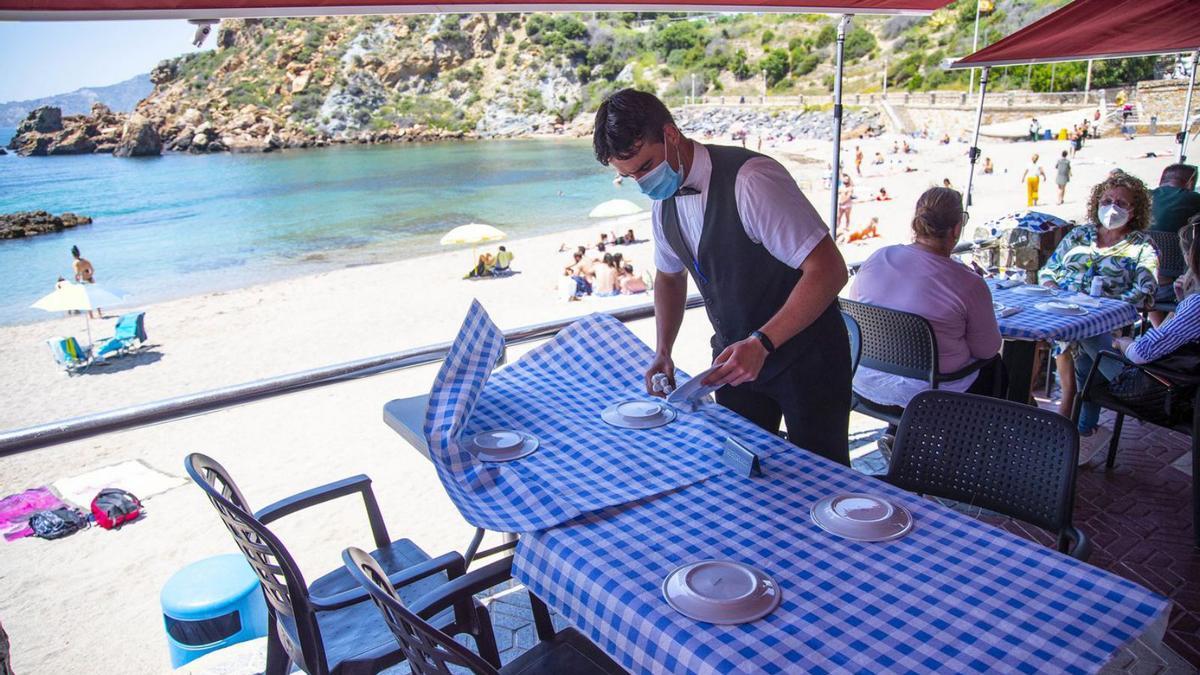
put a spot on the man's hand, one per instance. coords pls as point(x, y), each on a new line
point(742, 362)
point(662, 363)
point(1121, 344)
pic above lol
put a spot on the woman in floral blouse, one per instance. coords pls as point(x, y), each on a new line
point(1114, 247)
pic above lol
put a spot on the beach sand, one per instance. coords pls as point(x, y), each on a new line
point(62, 599)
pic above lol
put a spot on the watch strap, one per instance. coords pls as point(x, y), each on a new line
point(766, 341)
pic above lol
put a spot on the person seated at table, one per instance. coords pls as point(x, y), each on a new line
point(605, 278)
point(1113, 247)
point(1188, 283)
point(921, 278)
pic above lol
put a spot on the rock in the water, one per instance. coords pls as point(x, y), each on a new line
point(74, 142)
point(44, 120)
point(31, 223)
point(139, 138)
point(3, 152)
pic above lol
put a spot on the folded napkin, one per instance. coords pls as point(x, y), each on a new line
point(1007, 311)
point(1080, 299)
point(1006, 283)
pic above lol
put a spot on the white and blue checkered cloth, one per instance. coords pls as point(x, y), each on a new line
point(1033, 324)
point(556, 393)
point(954, 595)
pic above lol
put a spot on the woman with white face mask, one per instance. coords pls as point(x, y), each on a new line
point(1113, 256)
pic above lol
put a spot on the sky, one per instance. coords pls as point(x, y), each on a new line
point(45, 58)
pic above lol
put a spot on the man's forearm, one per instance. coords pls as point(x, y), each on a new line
point(824, 276)
point(670, 297)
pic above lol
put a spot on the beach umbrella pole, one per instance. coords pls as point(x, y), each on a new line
point(974, 153)
point(835, 179)
point(1187, 110)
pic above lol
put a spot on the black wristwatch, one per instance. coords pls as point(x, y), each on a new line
point(766, 341)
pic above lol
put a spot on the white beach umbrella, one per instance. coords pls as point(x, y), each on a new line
point(81, 297)
point(471, 233)
point(614, 208)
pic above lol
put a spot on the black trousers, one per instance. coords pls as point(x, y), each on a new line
point(812, 395)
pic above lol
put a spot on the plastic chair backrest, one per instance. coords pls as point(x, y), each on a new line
point(66, 351)
point(280, 578)
point(1008, 457)
point(429, 651)
point(900, 343)
point(855, 335)
point(1171, 262)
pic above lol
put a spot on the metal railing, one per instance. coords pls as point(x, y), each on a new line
point(51, 433)
point(930, 99)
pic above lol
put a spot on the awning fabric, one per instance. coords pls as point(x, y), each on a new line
point(1097, 29)
point(89, 10)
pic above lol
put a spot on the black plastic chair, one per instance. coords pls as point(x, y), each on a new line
point(1095, 390)
point(1171, 264)
point(329, 626)
point(855, 341)
point(902, 343)
point(1007, 457)
point(430, 650)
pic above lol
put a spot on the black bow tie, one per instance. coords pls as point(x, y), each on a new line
point(686, 192)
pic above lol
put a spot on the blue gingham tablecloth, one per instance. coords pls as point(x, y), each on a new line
point(1033, 324)
point(556, 392)
point(955, 595)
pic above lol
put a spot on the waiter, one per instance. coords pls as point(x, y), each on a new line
point(762, 258)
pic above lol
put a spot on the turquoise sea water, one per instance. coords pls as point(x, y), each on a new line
point(176, 225)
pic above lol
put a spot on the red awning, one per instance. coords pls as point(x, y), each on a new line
point(89, 10)
point(1097, 29)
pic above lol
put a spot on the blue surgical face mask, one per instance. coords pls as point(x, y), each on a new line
point(662, 181)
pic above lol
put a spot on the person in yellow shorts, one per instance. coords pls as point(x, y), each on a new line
point(1032, 177)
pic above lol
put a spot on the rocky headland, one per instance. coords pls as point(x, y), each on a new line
point(47, 132)
point(32, 223)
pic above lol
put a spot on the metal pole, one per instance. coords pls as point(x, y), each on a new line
point(1052, 77)
point(974, 48)
point(835, 180)
point(1187, 109)
point(974, 152)
point(764, 96)
point(885, 78)
point(1087, 85)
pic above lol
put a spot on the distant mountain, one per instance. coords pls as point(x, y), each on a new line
point(120, 97)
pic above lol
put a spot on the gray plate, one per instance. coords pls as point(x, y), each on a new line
point(488, 454)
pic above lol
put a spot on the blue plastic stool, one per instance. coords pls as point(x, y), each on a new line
point(211, 604)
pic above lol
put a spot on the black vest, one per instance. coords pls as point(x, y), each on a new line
point(742, 283)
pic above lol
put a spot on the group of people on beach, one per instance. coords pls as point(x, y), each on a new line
point(604, 273)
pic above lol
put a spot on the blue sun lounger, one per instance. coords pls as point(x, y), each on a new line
point(130, 333)
point(68, 354)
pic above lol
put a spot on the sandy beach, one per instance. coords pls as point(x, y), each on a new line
point(62, 598)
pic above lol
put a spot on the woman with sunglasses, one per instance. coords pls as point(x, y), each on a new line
point(1111, 254)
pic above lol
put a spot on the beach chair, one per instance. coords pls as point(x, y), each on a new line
point(129, 334)
point(69, 354)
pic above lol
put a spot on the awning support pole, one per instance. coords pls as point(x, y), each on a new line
point(1187, 110)
point(973, 153)
point(835, 179)
point(974, 48)
point(1087, 85)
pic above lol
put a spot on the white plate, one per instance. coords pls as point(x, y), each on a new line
point(693, 389)
point(1055, 307)
point(1033, 290)
point(501, 445)
point(997, 307)
point(638, 414)
point(721, 591)
point(862, 517)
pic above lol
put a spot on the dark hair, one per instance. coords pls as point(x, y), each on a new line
point(1178, 173)
point(624, 120)
point(503, 249)
point(1064, 153)
point(939, 210)
point(600, 247)
point(577, 255)
point(75, 251)
point(628, 268)
point(608, 259)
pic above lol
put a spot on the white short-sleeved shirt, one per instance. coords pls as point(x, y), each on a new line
point(774, 212)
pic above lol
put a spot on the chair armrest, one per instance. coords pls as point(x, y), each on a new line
point(324, 493)
point(1174, 376)
point(959, 374)
point(451, 563)
point(456, 591)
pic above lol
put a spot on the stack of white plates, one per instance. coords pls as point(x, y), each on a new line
point(501, 445)
point(1030, 289)
point(638, 414)
point(721, 591)
point(694, 390)
point(862, 517)
point(1057, 307)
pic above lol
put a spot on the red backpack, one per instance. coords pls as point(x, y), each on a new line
point(113, 507)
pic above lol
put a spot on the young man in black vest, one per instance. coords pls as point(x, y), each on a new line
point(762, 258)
